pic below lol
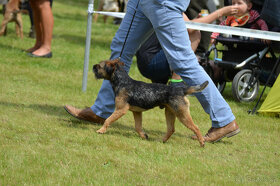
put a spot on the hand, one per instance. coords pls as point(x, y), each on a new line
point(213, 41)
point(228, 10)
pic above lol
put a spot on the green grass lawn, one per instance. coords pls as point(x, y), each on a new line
point(40, 144)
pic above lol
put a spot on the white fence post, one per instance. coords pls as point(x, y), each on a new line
point(88, 39)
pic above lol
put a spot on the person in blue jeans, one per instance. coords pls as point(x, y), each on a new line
point(164, 17)
point(151, 60)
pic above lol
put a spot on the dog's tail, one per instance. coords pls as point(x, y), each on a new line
point(197, 88)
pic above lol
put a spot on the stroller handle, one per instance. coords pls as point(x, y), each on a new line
point(259, 55)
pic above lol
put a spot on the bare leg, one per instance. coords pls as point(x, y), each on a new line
point(195, 37)
point(37, 25)
point(46, 26)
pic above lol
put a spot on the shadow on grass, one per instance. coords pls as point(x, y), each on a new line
point(81, 40)
point(76, 3)
point(75, 123)
point(122, 130)
point(73, 17)
point(8, 47)
point(223, 141)
point(43, 108)
point(129, 132)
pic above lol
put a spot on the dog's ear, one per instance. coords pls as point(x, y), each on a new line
point(109, 68)
point(120, 63)
point(115, 60)
point(112, 65)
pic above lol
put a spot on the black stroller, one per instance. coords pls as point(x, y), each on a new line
point(246, 63)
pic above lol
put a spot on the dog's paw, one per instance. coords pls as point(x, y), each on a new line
point(146, 136)
point(164, 140)
point(101, 131)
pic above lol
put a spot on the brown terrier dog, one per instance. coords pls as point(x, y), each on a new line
point(138, 96)
point(12, 13)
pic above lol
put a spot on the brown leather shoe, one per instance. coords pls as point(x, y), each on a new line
point(216, 134)
point(84, 114)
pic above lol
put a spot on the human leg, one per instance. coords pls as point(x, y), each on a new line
point(46, 26)
point(195, 37)
point(172, 34)
point(37, 25)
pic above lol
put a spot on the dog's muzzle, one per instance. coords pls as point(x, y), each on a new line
point(95, 71)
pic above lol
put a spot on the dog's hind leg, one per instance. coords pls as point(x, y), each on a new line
point(183, 114)
point(100, 8)
point(138, 124)
point(170, 120)
point(19, 28)
point(105, 18)
point(119, 112)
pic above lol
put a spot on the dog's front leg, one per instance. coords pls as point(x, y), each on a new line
point(119, 112)
point(4, 23)
point(138, 125)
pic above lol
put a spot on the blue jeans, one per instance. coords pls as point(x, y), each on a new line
point(165, 18)
point(157, 69)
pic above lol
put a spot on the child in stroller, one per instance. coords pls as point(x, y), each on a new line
point(246, 18)
point(245, 61)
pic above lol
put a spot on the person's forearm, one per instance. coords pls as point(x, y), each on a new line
point(207, 19)
point(225, 11)
point(210, 18)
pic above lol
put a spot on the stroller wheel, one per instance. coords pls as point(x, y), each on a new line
point(245, 88)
